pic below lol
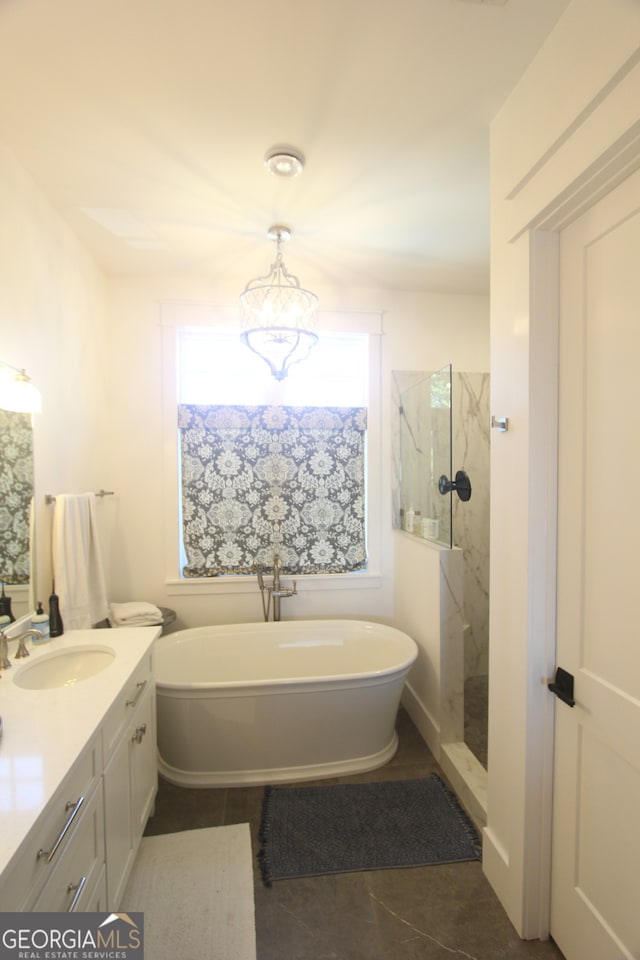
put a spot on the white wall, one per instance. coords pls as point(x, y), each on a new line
point(53, 322)
point(568, 127)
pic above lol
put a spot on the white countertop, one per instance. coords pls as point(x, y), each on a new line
point(45, 730)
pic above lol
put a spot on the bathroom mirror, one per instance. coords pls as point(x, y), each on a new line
point(16, 496)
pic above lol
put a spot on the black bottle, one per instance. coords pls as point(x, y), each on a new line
point(56, 628)
point(5, 606)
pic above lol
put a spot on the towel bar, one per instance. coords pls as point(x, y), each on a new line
point(50, 497)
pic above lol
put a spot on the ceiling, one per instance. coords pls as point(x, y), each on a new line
point(159, 112)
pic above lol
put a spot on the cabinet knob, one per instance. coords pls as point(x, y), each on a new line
point(139, 734)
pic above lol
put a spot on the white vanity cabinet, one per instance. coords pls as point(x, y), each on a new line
point(78, 779)
point(61, 862)
point(130, 776)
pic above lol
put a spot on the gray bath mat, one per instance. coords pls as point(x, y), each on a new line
point(308, 831)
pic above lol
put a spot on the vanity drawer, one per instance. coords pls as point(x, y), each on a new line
point(79, 867)
point(46, 843)
point(125, 704)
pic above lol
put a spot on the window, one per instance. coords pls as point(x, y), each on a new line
point(270, 467)
point(215, 367)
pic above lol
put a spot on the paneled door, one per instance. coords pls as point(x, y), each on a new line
point(595, 911)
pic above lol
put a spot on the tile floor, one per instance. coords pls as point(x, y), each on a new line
point(476, 716)
point(428, 913)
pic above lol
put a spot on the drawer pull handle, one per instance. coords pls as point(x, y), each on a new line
point(78, 887)
point(139, 688)
point(50, 854)
point(139, 734)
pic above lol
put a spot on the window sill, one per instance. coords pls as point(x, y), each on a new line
point(249, 584)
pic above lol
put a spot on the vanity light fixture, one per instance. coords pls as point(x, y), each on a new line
point(278, 315)
point(17, 392)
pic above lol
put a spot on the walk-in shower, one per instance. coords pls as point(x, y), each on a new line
point(441, 493)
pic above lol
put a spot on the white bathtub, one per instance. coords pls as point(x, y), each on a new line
point(275, 702)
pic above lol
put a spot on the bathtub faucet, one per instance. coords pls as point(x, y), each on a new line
point(274, 589)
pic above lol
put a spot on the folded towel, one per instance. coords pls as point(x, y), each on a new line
point(138, 622)
point(134, 614)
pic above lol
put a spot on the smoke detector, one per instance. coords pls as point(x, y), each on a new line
point(284, 161)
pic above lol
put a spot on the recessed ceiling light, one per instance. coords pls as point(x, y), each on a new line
point(284, 161)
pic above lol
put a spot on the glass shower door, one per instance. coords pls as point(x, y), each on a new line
point(426, 454)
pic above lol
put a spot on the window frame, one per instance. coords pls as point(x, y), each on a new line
point(175, 314)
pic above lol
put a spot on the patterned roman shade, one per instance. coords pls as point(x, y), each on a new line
point(259, 481)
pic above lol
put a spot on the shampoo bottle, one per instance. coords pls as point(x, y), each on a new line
point(409, 519)
point(40, 621)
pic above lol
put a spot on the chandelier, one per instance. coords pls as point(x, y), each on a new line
point(278, 315)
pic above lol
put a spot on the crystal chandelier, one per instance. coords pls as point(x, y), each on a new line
point(278, 315)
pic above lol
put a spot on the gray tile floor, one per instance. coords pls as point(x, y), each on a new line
point(476, 716)
point(425, 913)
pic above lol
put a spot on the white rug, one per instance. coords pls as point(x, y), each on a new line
point(195, 889)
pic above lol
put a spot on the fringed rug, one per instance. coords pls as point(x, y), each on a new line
point(195, 889)
point(341, 828)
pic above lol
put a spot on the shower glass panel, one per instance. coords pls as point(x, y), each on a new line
point(425, 455)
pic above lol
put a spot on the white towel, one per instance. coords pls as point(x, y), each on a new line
point(136, 613)
point(77, 561)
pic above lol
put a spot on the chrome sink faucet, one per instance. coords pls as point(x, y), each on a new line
point(5, 663)
point(22, 638)
point(22, 651)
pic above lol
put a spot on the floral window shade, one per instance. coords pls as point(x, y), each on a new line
point(260, 481)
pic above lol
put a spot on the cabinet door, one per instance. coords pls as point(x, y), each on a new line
point(118, 829)
point(144, 765)
point(131, 781)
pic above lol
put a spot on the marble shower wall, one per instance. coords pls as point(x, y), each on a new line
point(420, 434)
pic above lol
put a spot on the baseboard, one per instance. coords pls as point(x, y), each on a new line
point(468, 778)
point(424, 722)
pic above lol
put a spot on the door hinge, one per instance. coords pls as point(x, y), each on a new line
point(562, 686)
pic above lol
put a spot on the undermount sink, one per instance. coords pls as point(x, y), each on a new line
point(64, 668)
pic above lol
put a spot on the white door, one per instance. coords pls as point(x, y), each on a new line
point(595, 911)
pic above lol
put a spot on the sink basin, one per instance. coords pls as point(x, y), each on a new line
point(64, 668)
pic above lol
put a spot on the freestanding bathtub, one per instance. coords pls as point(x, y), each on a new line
point(276, 702)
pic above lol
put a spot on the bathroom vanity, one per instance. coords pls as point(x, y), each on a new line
point(78, 771)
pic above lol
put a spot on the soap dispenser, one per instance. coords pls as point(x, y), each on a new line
point(40, 621)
